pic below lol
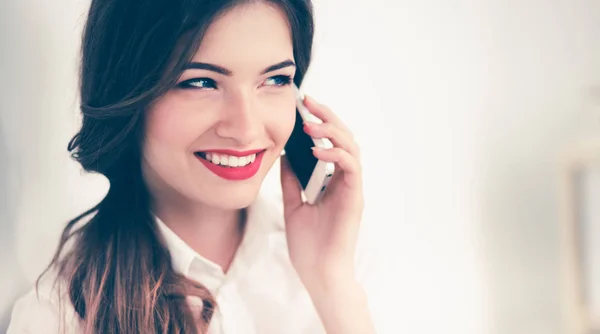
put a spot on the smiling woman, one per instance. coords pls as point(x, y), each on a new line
point(186, 107)
point(223, 100)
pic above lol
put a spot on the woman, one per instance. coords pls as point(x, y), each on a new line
point(171, 93)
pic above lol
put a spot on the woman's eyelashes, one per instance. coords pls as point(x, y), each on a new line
point(198, 83)
point(280, 80)
point(207, 83)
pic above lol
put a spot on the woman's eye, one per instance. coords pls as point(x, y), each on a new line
point(278, 80)
point(203, 83)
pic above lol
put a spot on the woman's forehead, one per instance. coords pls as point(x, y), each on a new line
point(247, 36)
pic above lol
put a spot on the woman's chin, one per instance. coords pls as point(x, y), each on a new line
point(231, 199)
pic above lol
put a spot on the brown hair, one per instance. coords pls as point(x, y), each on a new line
point(117, 269)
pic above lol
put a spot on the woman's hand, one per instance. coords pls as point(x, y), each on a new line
point(322, 237)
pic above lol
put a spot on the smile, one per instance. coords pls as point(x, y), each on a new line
point(231, 165)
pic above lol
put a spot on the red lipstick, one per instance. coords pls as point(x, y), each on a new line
point(233, 173)
point(234, 152)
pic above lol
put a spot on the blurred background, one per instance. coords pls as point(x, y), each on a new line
point(478, 122)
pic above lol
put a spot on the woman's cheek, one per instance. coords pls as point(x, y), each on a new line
point(281, 119)
point(175, 121)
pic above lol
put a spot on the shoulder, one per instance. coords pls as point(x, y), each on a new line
point(46, 309)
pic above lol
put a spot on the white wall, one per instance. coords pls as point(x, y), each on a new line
point(38, 191)
point(589, 190)
point(460, 107)
point(544, 65)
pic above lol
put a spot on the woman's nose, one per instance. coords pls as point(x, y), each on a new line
point(241, 119)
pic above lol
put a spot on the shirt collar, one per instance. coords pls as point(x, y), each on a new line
point(182, 255)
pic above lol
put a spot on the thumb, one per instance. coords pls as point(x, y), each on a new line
point(290, 187)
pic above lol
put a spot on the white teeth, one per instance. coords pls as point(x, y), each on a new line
point(230, 161)
point(250, 159)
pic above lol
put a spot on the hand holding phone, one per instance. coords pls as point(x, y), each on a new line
point(314, 174)
point(321, 238)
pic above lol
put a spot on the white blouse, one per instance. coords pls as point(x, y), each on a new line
point(261, 292)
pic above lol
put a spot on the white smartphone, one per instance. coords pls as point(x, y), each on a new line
point(314, 175)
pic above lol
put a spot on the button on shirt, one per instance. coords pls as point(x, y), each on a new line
point(260, 293)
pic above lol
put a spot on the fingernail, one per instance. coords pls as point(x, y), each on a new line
point(315, 148)
point(308, 126)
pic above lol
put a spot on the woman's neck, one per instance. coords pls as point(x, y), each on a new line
point(213, 233)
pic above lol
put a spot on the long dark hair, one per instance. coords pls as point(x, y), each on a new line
point(117, 269)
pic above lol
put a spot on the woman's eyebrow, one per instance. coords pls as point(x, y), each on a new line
point(275, 67)
point(225, 71)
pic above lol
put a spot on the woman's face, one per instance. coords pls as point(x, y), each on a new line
point(234, 106)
